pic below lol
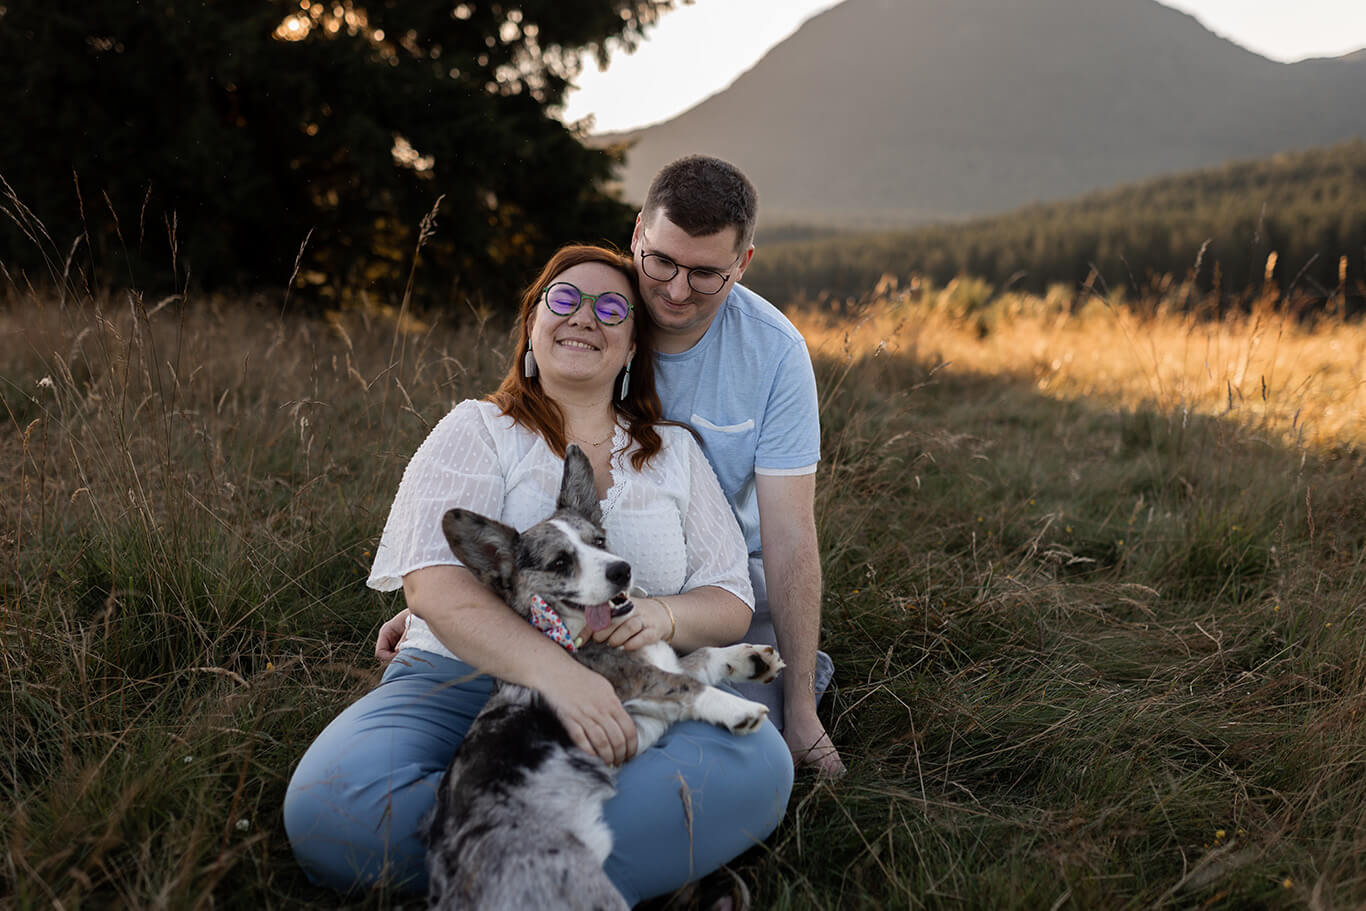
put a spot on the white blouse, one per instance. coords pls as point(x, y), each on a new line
point(670, 520)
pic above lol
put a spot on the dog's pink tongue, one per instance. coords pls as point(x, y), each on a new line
point(599, 615)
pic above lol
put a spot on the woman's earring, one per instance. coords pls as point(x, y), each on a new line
point(626, 381)
point(529, 363)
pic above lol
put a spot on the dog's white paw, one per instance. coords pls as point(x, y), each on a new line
point(739, 716)
point(747, 663)
point(749, 722)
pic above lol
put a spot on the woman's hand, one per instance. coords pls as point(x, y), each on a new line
point(391, 636)
point(590, 711)
point(648, 623)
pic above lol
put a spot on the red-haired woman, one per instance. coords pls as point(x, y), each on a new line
point(582, 373)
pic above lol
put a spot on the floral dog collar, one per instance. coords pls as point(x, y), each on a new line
point(546, 619)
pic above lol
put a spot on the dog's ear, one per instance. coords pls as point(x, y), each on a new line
point(578, 493)
point(486, 547)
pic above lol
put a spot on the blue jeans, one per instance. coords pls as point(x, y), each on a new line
point(356, 802)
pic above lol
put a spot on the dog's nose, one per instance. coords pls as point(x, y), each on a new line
point(619, 573)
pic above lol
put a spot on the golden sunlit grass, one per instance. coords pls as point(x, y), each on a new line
point(1268, 368)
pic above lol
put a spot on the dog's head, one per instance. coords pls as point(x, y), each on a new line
point(563, 559)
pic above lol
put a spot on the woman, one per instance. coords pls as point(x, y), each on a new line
point(582, 373)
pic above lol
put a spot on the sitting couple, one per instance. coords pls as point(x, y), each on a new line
point(592, 370)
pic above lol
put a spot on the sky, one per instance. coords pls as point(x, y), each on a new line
point(698, 50)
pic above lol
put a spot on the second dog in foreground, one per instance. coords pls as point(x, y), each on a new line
point(518, 820)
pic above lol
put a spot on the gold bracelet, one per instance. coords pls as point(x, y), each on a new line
point(673, 624)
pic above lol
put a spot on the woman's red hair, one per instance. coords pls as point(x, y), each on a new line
point(522, 398)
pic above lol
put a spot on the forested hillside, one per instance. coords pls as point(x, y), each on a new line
point(1219, 225)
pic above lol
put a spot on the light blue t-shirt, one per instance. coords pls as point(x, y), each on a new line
point(748, 389)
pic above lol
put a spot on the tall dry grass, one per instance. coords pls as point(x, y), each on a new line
point(1102, 628)
point(1097, 636)
point(195, 492)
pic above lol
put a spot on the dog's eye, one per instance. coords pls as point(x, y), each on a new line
point(560, 564)
point(600, 542)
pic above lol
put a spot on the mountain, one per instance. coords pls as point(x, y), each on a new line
point(899, 111)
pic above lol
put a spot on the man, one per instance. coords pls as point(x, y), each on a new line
point(735, 369)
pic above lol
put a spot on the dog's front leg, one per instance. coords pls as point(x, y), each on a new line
point(734, 713)
point(653, 714)
point(659, 698)
point(652, 719)
point(743, 663)
point(655, 699)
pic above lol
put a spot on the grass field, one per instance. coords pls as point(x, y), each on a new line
point(1095, 592)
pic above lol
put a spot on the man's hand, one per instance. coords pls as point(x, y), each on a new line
point(811, 746)
point(391, 636)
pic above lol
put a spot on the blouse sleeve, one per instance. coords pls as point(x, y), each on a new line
point(457, 465)
point(716, 549)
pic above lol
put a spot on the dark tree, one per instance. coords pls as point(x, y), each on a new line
point(208, 138)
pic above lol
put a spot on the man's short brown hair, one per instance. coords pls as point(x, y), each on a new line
point(704, 195)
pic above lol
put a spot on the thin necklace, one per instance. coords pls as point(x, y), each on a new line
point(611, 433)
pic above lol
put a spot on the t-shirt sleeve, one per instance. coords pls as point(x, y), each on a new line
point(456, 465)
point(790, 437)
point(716, 549)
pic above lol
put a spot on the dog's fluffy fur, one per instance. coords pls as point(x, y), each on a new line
point(518, 820)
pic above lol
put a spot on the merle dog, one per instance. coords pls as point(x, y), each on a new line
point(518, 819)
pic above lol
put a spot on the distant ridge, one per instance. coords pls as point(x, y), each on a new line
point(903, 111)
point(1216, 226)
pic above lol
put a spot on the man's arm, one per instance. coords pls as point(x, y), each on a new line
point(391, 636)
point(792, 570)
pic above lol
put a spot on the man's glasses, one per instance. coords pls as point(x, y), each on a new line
point(610, 308)
point(663, 269)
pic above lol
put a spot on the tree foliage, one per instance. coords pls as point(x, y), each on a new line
point(206, 140)
point(1218, 226)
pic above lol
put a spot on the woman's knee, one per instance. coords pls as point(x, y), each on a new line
point(758, 781)
point(351, 824)
point(323, 847)
point(697, 799)
point(356, 803)
point(742, 781)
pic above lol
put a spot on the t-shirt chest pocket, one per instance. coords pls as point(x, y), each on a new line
point(730, 447)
